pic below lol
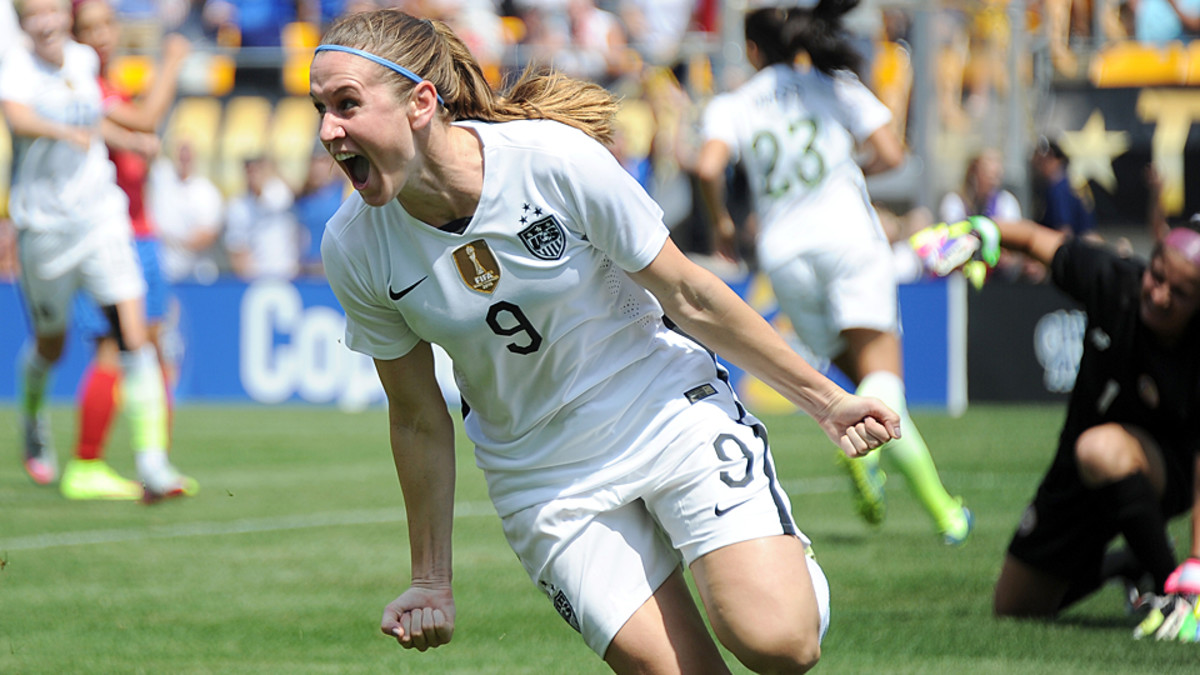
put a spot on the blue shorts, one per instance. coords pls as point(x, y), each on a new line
point(92, 323)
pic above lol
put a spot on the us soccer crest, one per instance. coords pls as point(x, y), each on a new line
point(544, 238)
point(477, 266)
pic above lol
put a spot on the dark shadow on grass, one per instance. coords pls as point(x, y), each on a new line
point(1105, 622)
point(1095, 622)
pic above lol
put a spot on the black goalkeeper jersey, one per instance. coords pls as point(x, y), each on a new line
point(1126, 375)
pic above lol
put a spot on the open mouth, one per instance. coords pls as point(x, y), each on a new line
point(356, 167)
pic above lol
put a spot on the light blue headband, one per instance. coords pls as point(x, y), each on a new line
point(381, 61)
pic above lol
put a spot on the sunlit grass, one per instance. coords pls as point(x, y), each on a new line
point(286, 558)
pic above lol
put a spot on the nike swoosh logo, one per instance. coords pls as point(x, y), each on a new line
point(397, 295)
point(718, 511)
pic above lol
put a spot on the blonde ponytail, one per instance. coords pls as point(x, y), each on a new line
point(432, 51)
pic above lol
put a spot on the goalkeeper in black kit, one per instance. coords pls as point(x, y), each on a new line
point(1126, 458)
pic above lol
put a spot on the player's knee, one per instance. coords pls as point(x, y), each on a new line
point(50, 350)
point(1106, 453)
point(777, 650)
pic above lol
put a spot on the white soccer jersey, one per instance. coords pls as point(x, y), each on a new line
point(57, 185)
point(795, 132)
point(563, 359)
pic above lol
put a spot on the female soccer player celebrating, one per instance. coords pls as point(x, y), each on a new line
point(499, 228)
point(819, 238)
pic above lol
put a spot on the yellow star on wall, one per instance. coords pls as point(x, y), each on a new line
point(1092, 150)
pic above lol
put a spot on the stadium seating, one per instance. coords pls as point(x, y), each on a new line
point(293, 137)
point(1134, 64)
point(198, 119)
point(224, 132)
point(244, 135)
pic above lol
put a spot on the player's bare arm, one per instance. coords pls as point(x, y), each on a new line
point(122, 138)
point(24, 121)
point(708, 310)
point(148, 111)
point(422, 439)
point(884, 149)
point(1030, 238)
point(710, 171)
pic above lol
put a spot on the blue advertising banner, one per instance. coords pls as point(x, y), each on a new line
point(277, 342)
point(267, 342)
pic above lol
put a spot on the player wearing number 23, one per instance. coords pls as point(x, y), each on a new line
point(798, 131)
point(614, 449)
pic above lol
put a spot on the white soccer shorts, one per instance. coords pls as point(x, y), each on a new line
point(600, 555)
point(54, 265)
point(826, 292)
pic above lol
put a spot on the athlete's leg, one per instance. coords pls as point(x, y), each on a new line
point(770, 619)
point(866, 475)
point(98, 389)
point(45, 296)
point(666, 635)
point(144, 403)
point(157, 305)
point(97, 399)
point(100, 382)
point(35, 366)
point(169, 374)
point(37, 363)
point(1126, 468)
point(1025, 591)
point(874, 362)
point(87, 475)
point(1119, 482)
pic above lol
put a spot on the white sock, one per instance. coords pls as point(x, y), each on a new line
point(154, 469)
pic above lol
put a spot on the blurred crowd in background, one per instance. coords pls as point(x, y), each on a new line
point(243, 188)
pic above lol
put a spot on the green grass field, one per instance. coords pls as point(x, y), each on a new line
point(284, 561)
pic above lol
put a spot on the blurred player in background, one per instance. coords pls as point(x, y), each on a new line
point(132, 143)
point(1127, 453)
point(613, 447)
point(819, 239)
point(74, 233)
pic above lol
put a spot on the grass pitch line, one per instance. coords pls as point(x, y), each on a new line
point(213, 529)
point(806, 486)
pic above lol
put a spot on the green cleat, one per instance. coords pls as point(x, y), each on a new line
point(958, 525)
point(867, 481)
point(95, 479)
